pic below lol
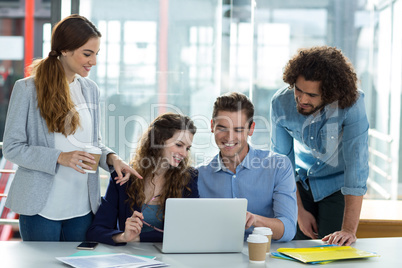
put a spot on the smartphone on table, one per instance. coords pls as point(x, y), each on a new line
point(87, 245)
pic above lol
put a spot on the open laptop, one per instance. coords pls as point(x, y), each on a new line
point(204, 225)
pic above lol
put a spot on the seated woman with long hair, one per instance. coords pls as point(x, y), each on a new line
point(135, 211)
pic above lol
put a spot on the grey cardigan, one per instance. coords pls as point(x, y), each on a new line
point(29, 144)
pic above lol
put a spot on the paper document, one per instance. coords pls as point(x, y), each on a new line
point(317, 254)
point(81, 253)
point(279, 255)
point(110, 261)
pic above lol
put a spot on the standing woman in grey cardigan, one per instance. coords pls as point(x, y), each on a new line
point(52, 116)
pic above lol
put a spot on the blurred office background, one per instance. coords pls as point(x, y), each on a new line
point(179, 55)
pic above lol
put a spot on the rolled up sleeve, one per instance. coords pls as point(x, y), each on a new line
point(355, 150)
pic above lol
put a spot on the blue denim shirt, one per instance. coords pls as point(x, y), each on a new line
point(264, 178)
point(330, 148)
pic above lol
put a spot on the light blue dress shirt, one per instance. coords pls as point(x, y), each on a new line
point(264, 178)
point(330, 148)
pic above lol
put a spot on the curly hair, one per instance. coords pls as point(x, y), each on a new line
point(148, 157)
point(329, 66)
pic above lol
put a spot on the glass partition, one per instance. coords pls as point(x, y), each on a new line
point(179, 55)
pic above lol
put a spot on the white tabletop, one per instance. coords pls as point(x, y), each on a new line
point(42, 254)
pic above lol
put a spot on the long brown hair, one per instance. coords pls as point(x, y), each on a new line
point(149, 154)
point(52, 89)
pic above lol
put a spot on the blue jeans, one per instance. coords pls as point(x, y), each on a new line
point(38, 228)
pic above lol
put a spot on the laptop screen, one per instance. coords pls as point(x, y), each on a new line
point(200, 225)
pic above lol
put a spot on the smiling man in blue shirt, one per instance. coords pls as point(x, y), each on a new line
point(264, 178)
point(320, 123)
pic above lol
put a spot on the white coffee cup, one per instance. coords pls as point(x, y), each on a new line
point(264, 231)
point(257, 248)
point(95, 152)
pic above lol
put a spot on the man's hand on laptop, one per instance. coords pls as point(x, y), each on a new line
point(250, 219)
point(132, 229)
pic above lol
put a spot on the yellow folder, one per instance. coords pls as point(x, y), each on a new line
point(325, 253)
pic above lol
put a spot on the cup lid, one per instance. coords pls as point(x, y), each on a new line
point(262, 230)
point(92, 149)
point(257, 238)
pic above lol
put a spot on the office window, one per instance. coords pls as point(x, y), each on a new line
point(199, 56)
point(272, 46)
point(181, 55)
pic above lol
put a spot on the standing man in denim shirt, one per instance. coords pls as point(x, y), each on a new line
point(264, 178)
point(320, 123)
